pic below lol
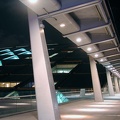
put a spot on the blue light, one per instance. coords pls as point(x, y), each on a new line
point(25, 53)
point(5, 50)
point(0, 63)
point(15, 57)
point(61, 98)
point(21, 49)
point(8, 53)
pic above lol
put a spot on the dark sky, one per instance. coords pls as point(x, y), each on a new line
point(14, 23)
point(114, 7)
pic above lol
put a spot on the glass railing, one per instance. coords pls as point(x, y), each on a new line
point(13, 103)
point(17, 104)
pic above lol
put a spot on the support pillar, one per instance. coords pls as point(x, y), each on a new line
point(47, 105)
point(116, 85)
point(82, 92)
point(95, 81)
point(105, 89)
point(119, 82)
point(110, 85)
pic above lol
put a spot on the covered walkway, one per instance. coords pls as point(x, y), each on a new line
point(87, 27)
point(86, 109)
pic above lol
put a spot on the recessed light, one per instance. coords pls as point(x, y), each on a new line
point(96, 55)
point(111, 68)
point(78, 40)
point(101, 60)
point(32, 1)
point(89, 49)
point(62, 25)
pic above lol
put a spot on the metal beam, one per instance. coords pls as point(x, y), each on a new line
point(97, 42)
point(117, 67)
point(101, 9)
point(70, 9)
point(108, 56)
point(116, 64)
point(88, 30)
point(103, 50)
point(111, 60)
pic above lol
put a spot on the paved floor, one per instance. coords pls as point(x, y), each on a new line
point(82, 110)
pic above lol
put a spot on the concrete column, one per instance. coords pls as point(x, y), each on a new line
point(95, 81)
point(47, 105)
point(116, 85)
point(105, 89)
point(119, 82)
point(82, 92)
point(110, 85)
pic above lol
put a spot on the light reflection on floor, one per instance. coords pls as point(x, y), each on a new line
point(91, 110)
point(102, 106)
point(4, 107)
point(20, 104)
point(85, 110)
point(73, 116)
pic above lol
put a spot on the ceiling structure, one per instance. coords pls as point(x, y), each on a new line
point(74, 30)
point(86, 23)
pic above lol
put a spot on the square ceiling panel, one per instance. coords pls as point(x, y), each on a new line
point(90, 48)
point(111, 52)
point(87, 13)
point(99, 31)
point(80, 38)
point(97, 55)
point(90, 23)
point(106, 45)
point(114, 57)
point(103, 61)
point(64, 23)
point(106, 63)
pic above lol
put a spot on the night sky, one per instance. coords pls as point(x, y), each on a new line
point(14, 23)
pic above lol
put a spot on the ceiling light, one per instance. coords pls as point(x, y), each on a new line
point(109, 66)
point(112, 68)
point(89, 49)
point(96, 55)
point(7, 85)
point(78, 40)
point(101, 60)
point(62, 25)
point(32, 1)
point(69, 51)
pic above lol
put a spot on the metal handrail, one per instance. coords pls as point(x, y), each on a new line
point(18, 97)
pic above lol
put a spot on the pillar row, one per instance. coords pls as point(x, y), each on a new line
point(116, 85)
point(110, 85)
point(95, 81)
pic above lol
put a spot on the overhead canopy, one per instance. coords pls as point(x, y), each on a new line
point(86, 23)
